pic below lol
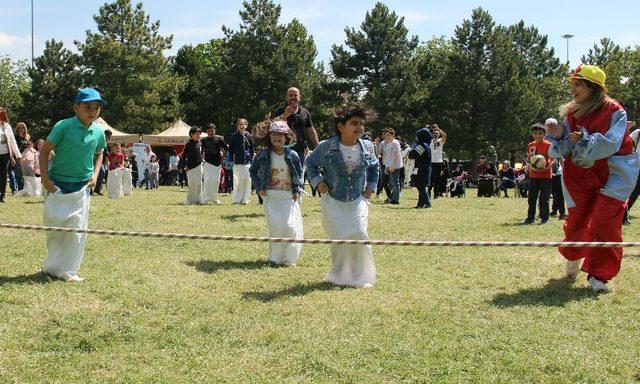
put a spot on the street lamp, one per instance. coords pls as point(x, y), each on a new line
point(31, 33)
point(567, 36)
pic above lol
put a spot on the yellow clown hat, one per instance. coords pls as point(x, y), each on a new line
point(590, 73)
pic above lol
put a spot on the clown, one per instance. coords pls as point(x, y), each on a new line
point(600, 171)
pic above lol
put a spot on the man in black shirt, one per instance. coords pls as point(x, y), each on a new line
point(299, 120)
point(192, 156)
point(214, 149)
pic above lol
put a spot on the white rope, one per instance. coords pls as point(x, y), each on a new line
point(424, 243)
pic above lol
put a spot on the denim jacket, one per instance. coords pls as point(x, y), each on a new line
point(343, 186)
point(261, 167)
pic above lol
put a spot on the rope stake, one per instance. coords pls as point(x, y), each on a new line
point(262, 239)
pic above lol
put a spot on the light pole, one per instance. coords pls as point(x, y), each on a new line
point(31, 33)
point(567, 36)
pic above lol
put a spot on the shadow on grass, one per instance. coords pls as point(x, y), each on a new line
point(555, 293)
point(240, 216)
point(33, 202)
point(34, 278)
point(514, 224)
point(296, 290)
point(209, 266)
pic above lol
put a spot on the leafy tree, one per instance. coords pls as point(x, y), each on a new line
point(125, 60)
point(378, 65)
point(202, 69)
point(491, 85)
point(55, 80)
point(262, 59)
point(601, 54)
point(13, 82)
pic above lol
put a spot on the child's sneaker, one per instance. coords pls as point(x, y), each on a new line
point(72, 278)
point(598, 286)
point(573, 267)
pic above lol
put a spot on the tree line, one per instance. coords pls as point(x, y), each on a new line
point(486, 85)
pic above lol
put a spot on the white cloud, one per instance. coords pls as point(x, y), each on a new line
point(8, 42)
point(16, 47)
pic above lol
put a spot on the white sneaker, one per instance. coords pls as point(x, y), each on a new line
point(573, 267)
point(598, 286)
point(365, 285)
point(218, 202)
point(72, 278)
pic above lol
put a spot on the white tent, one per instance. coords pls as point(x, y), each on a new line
point(177, 134)
point(117, 136)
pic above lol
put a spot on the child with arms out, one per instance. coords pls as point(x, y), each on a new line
point(349, 176)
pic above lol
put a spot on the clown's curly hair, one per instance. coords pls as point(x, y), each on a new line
point(349, 109)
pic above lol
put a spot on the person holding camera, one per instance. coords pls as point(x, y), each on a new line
point(299, 120)
point(392, 161)
point(437, 160)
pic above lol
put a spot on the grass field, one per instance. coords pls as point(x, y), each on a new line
point(178, 311)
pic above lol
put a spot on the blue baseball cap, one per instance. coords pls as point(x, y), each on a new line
point(86, 95)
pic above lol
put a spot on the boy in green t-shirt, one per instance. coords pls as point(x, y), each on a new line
point(78, 144)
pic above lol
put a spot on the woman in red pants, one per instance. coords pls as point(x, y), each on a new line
point(600, 171)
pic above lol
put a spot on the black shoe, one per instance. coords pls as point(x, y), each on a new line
point(2, 200)
point(544, 221)
point(562, 216)
point(99, 193)
point(624, 222)
point(553, 213)
point(527, 221)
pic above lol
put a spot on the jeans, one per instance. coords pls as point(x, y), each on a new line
point(539, 190)
point(101, 178)
point(4, 169)
point(558, 195)
point(422, 180)
point(15, 177)
point(385, 183)
point(434, 183)
point(145, 181)
point(394, 185)
point(153, 181)
point(505, 184)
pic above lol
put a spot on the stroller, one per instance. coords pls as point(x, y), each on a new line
point(455, 187)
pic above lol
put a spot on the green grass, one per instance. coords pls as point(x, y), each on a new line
point(179, 311)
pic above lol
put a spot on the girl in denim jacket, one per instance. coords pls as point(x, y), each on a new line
point(276, 174)
point(349, 177)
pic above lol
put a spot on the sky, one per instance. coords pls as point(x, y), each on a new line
point(196, 21)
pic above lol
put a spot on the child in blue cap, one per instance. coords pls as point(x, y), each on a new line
point(78, 143)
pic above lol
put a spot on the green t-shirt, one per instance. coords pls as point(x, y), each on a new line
point(75, 147)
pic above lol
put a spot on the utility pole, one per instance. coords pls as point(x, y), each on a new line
point(31, 33)
point(566, 36)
